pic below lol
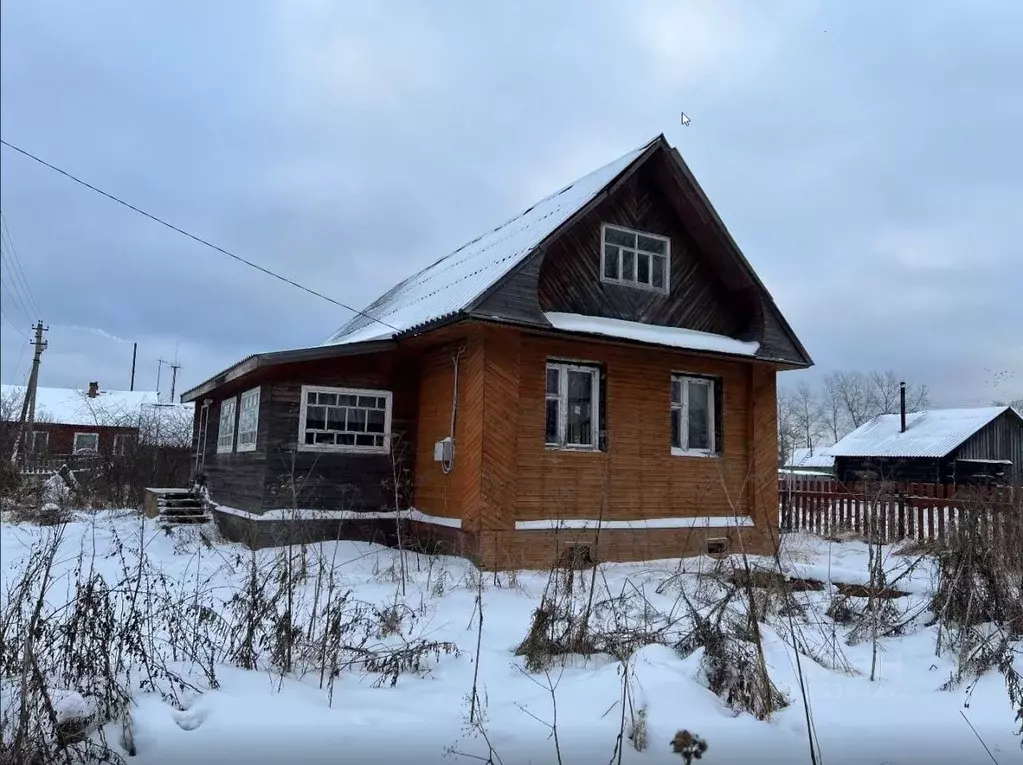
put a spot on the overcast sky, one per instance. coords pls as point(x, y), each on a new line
point(866, 156)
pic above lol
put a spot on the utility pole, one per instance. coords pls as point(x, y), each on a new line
point(28, 406)
point(134, 354)
point(174, 378)
point(159, 370)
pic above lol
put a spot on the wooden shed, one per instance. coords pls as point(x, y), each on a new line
point(982, 445)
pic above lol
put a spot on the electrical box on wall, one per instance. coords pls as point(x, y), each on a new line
point(443, 450)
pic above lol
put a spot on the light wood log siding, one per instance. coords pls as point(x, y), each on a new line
point(437, 493)
point(638, 476)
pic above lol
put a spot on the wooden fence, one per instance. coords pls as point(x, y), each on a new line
point(899, 511)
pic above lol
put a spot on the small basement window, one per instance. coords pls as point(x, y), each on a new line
point(693, 416)
point(573, 406)
point(86, 442)
point(248, 420)
point(635, 258)
point(345, 420)
point(225, 434)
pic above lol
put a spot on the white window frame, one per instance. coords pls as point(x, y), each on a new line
point(680, 409)
point(618, 279)
point(564, 367)
point(36, 435)
point(121, 443)
point(74, 444)
point(248, 402)
point(228, 417)
point(345, 448)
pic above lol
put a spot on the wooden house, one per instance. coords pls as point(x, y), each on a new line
point(596, 374)
point(805, 460)
point(982, 445)
point(73, 422)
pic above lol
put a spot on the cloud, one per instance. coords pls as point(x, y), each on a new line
point(869, 171)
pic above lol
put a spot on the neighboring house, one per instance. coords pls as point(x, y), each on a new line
point(815, 461)
point(607, 357)
point(941, 446)
point(92, 421)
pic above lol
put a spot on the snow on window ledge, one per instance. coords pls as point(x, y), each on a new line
point(675, 452)
point(654, 334)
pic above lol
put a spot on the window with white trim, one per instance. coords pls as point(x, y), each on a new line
point(121, 443)
point(572, 406)
point(40, 442)
point(86, 442)
point(345, 420)
point(693, 416)
point(248, 420)
point(225, 434)
point(635, 258)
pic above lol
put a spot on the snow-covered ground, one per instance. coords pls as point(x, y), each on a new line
point(257, 716)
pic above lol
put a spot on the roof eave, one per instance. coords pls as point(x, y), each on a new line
point(274, 358)
point(687, 174)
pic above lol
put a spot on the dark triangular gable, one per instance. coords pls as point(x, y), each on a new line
point(713, 287)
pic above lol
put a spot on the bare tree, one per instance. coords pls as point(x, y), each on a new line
point(884, 394)
point(806, 415)
point(853, 392)
point(833, 415)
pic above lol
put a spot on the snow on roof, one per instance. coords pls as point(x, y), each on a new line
point(818, 457)
point(932, 433)
point(674, 337)
point(455, 281)
point(69, 406)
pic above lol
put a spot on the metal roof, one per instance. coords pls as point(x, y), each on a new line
point(452, 283)
point(818, 457)
point(932, 433)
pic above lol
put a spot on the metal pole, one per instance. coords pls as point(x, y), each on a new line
point(134, 354)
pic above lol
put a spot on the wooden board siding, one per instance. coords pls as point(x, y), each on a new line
point(436, 492)
point(278, 475)
point(569, 279)
point(637, 477)
point(61, 438)
point(1002, 439)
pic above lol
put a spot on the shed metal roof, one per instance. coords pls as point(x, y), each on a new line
point(931, 433)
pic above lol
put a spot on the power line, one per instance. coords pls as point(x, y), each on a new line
point(3, 314)
point(11, 285)
point(19, 271)
point(14, 295)
point(194, 237)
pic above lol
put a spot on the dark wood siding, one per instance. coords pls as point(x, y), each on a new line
point(61, 437)
point(569, 278)
point(1002, 439)
point(851, 470)
point(278, 475)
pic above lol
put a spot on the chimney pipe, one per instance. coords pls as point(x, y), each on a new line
point(902, 404)
point(93, 389)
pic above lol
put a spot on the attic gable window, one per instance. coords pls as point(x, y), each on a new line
point(345, 420)
point(635, 258)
